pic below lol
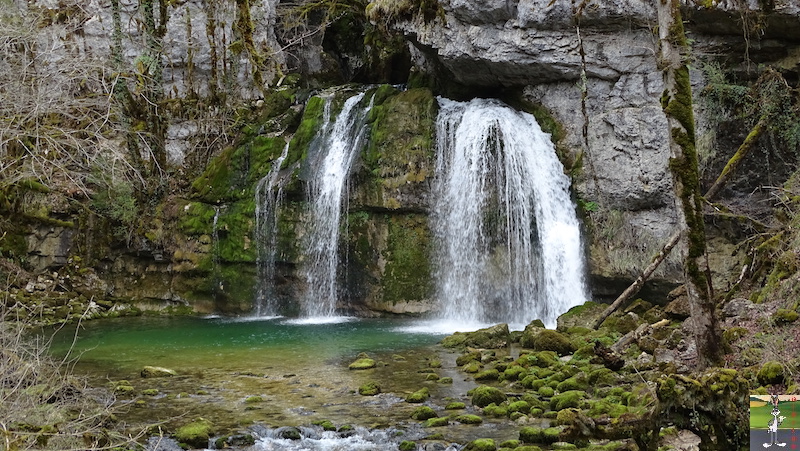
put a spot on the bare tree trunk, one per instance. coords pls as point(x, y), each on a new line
point(677, 103)
point(637, 284)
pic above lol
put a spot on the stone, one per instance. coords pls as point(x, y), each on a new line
point(771, 373)
point(481, 444)
point(369, 389)
point(422, 413)
point(196, 433)
point(362, 364)
point(418, 396)
point(484, 395)
point(157, 371)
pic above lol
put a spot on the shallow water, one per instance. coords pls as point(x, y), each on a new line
point(299, 369)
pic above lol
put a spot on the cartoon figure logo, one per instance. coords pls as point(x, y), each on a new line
point(773, 424)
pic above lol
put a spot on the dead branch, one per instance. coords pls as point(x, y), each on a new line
point(637, 284)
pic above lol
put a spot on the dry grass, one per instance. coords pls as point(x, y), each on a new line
point(44, 406)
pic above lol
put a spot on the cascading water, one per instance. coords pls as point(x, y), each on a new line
point(331, 155)
point(509, 246)
point(269, 193)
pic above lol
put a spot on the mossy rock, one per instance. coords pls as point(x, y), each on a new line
point(436, 422)
point(150, 392)
point(468, 419)
point(496, 411)
point(445, 380)
point(548, 340)
point(514, 372)
point(432, 377)
point(195, 434)
point(489, 338)
point(472, 367)
point(785, 316)
point(455, 405)
point(546, 391)
point(734, 334)
point(519, 406)
point(418, 396)
point(157, 371)
point(484, 395)
point(487, 375)
point(363, 363)
point(407, 445)
point(572, 398)
point(577, 382)
point(290, 433)
point(602, 377)
point(369, 389)
point(123, 389)
point(605, 407)
point(464, 359)
point(771, 373)
point(481, 444)
point(583, 315)
point(543, 359)
point(532, 434)
point(326, 425)
point(423, 413)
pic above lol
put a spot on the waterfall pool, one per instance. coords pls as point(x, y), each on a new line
point(267, 374)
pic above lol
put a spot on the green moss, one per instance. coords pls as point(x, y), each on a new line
point(422, 413)
point(519, 406)
point(195, 434)
point(436, 422)
point(481, 444)
point(494, 410)
point(578, 382)
point(572, 398)
point(532, 434)
point(362, 364)
point(455, 405)
point(407, 274)
point(547, 340)
point(418, 396)
point(484, 395)
point(468, 419)
point(407, 445)
point(487, 375)
point(306, 131)
point(514, 372)
point(254, 399)
point(771, 373)
point(369, 389)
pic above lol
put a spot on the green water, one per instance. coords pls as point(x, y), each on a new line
point(185, 343)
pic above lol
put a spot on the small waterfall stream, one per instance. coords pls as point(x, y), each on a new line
point(509, 245)
point(331, 155)
point(269, 193)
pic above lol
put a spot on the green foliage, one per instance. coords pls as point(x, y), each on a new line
point(116, 200)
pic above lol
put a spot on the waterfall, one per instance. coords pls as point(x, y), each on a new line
point(508, 239)
point(331, 155)
point(269, 193)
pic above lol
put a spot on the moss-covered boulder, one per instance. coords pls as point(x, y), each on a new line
point(469, 419)
point(436, 422)
point(583, 315)
point(157, 371)
point(473, 356)
point(489, 338)
point(484, 395)
point(577, 382)
point(487, 375)
point(363, 363)
point(496, 411)
point(572, 398)
point(326, 425)
point(195, 434)
point(785, 316)
point(532, 434)
point(423, 413)
point(547, 340)
point(718, 400)
point(419, 396)
point(407, 445)
point(369, 389)
point(481, 444)
point(771, 373)
point(455, 405)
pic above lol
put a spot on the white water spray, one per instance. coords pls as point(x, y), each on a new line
point(269, 193)
point(331, 154)
point(509, 245)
